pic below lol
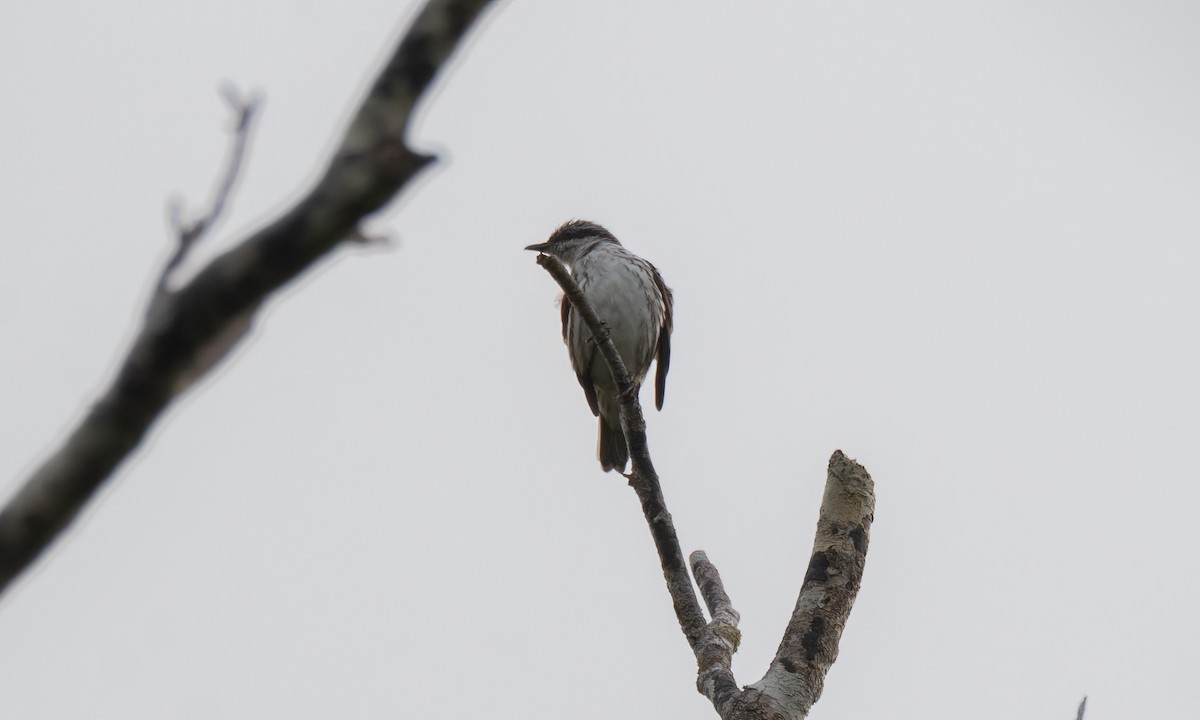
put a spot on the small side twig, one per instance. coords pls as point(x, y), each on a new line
point(1082, 708)
point(188, 233)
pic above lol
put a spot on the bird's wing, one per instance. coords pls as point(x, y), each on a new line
point(580, 364)
point(662, 359)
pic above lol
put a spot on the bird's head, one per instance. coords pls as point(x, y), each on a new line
point(573, 239)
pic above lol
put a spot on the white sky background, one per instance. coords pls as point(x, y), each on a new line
point(956, 240)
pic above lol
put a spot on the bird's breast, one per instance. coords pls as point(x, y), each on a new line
point(621, 289)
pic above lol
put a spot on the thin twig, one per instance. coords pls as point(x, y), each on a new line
point(712, 643)
point(642, 477)
point(188, 234)
point(1082, 708)
point(181, 339)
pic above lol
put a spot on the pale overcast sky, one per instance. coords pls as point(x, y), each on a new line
point(956, 240)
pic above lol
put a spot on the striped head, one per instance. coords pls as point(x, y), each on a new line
point(573, 239)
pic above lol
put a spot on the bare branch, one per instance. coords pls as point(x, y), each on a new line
point(187, 331)
point(713, 643)
point(1082, 708)
point(715, 656)
point(810, 643)
point(642, 478)
point(713, 591)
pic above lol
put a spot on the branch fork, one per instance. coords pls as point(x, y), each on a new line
point(797, 674)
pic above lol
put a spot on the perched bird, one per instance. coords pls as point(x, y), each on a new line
point(628, 293)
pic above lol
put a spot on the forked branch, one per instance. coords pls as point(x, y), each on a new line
point(810, 643)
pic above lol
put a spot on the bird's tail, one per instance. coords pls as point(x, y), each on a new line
point(611, 448)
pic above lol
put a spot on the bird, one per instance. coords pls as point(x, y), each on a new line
point(629, 294)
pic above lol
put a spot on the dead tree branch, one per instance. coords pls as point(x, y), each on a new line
point(642, 477)
point(797, 674)
point(714, 657)
point(190, 329)
point(835, 569)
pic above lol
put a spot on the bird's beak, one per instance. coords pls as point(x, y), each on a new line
point(539, 247)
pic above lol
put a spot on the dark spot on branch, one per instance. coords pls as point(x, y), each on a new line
point(811, 642)
point(788, 665)
point(858, 536)
point(818, 568)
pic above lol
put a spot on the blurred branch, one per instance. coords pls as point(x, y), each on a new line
point(797, 674)
point(187, 234)
point(1082, 708)
point(188, 330)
